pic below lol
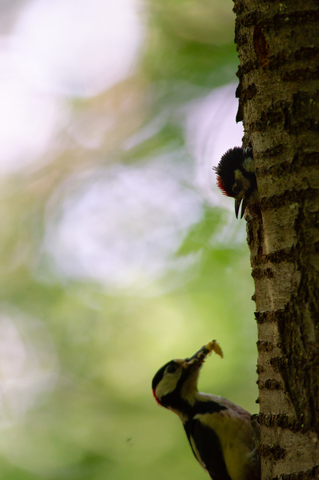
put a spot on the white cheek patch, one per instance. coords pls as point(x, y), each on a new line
point(167, 385)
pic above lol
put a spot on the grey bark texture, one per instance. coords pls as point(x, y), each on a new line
point(278, 47)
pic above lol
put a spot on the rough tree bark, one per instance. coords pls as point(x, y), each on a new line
point(278, 46)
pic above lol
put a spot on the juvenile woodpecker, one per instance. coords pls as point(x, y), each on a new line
point(236, 177)
point(220, 433)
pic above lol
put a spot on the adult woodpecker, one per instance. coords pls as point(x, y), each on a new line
point(236, 177)
point(220, 432)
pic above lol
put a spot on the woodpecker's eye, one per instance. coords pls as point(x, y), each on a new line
point(171, 368)
point(236, 189)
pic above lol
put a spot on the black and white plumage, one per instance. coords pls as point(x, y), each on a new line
point(236, 177)
point(219, 432)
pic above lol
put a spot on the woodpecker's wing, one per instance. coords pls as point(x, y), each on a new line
point(231, 433)
point(207, 449)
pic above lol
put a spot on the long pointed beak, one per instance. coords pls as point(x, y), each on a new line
point(243, 207)
point(199, 357)
point(237, 206)
point(192, 366)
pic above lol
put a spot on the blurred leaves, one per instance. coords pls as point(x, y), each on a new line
point(201, 235)
point(150, 268)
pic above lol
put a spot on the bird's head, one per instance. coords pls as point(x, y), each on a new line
point(175, 384)
point(236, 177)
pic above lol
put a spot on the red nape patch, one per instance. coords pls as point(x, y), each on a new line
point(154, 394)
point(221, 186)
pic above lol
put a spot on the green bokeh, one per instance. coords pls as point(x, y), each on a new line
point(79, 405)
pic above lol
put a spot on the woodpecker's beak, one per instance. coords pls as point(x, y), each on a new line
point(237, 205)
point(198, 358)
point(192, 366)
point(243, 206)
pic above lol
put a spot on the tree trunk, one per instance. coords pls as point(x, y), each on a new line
point(278, 45)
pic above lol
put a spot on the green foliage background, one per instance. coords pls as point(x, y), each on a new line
point(98, 348)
